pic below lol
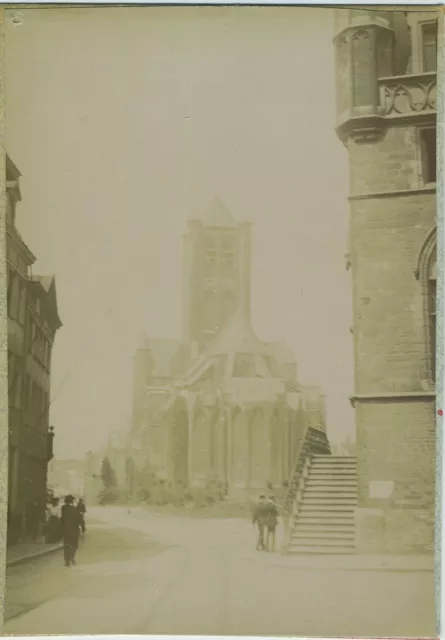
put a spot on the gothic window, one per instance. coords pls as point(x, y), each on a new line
point(228, 305)
point(426, 274)
point(432, 312)
point(211, 263)
point(428, 154)
point(210, 310)
point(429, 46)
point(228, 263)
point(244, 366)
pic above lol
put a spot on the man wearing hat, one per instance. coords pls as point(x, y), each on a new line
point(71, 524)
point(259, 518)
point(271, 521)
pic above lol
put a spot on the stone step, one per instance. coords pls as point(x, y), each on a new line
point(332, 490)
point(317, 509)
point(331, 481)
point(295, 549)
point(311, 534)
point(343, 528)
point(333, 468)
point(328, 501)
point(322, 542)
point(337, 473)
point(336, 469)
point(325, 521)
point(323, 458)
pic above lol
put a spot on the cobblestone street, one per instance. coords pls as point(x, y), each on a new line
point(149, 573)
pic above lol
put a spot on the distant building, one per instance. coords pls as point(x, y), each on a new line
point(219, 403)
point(67, 476)
point(33, 321)
point(386, 82)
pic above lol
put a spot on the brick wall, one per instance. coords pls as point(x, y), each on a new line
point(396, 437)
point(390, 164)
point(386, 237)
point(396, 441)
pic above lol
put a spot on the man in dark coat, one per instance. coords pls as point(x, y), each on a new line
point(271, 522)
point(70, 522)
point(259, 518)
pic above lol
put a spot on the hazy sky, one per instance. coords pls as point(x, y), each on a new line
point(127, 122)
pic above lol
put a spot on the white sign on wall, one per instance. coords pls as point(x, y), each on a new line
point(381, 489)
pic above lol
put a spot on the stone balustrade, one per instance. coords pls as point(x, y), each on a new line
point(408, 95)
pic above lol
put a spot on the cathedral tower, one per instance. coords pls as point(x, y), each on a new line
point(386, 111)
point(216, 271)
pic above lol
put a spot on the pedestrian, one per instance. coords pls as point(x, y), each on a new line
point(53, 530)
point(259, 518)
point(70, 530)
point(271, 522)
point(81, 508)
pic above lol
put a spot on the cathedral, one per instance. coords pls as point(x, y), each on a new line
point(218, 403)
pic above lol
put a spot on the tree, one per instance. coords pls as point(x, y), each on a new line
point(107, 474)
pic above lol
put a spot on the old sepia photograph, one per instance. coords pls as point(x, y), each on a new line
point(220, 230)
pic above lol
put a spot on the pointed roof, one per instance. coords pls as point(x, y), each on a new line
point(48, 284)
point(236, 339)
point(45, 281)
point(218, 216)
point(237, 336)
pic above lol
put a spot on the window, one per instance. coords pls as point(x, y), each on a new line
point(9, 209)
point(14, 299)
point(429, 47)
point(22, 306)
point(211, 263)
point(432, 312)
point(228, 305)
point(428, 150)
point(211, 310)
point(228, 263)
point(14, 380)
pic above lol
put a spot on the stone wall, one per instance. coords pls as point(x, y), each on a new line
point(392, 213)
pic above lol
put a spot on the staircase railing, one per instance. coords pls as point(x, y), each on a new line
point(313, 442)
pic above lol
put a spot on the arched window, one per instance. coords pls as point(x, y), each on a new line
point(211, 311)
point(211, 263)
point(228, 305)
point(228, 263)
point(431, 294)
point(426, 274)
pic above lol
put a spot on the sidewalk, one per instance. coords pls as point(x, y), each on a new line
point(24, 551)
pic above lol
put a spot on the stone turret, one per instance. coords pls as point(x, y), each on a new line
point(364, 52)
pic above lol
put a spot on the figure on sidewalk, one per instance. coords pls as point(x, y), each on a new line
point(81, 508)
point(70, 530)
point(259, 518)
point(53, 528)
point(271, 522)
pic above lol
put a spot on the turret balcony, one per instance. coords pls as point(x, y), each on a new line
point(410, 98)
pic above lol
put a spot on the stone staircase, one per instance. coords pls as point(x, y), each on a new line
point(322, 520)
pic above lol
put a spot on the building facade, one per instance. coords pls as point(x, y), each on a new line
point(33, 321)
point(219, 404)
point(386, 111)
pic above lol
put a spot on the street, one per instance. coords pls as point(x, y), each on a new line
point(150, 573)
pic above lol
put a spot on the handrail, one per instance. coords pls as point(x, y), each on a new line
point(295, 470)
point(312, 443)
